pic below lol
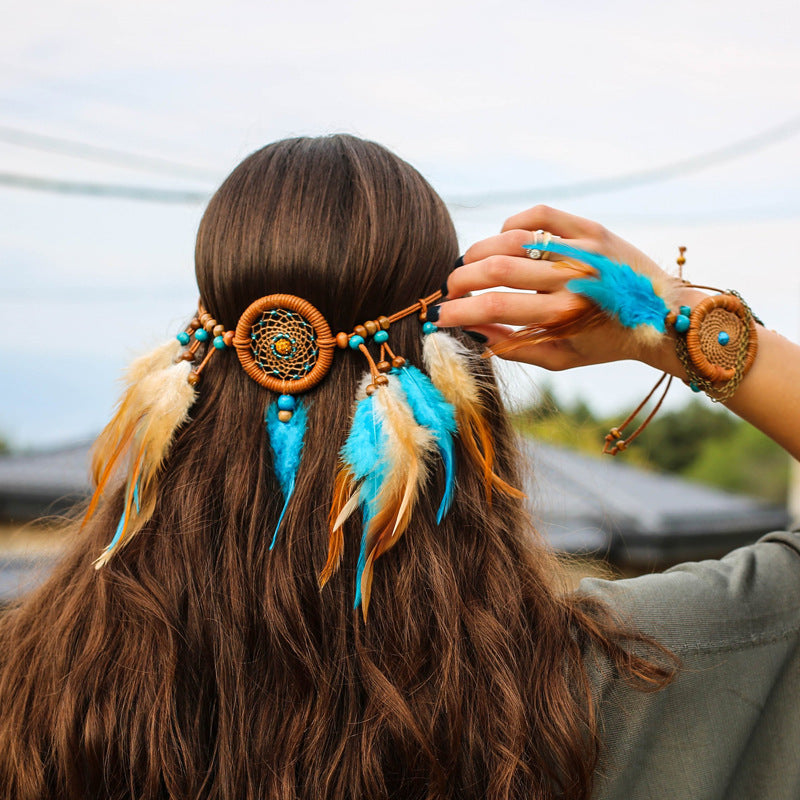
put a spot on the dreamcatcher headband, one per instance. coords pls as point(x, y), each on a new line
point(402, 421)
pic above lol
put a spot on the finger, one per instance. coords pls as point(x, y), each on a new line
point(553, 355)
point(512, 243)
point(556, 355)
point(554, 221)
point(508, 308)
point(509, 243)
point(489, 334)
point(513, 272)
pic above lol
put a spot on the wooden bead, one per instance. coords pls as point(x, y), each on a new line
point(218, 330)
point(187, 355)
point(615, 433)
point(383, 366)
point(194, 324)
point(361, 331)
point(384, 322)
point(398, 361)
point(284, 416)
point(621, 444)
point(342, 340)
point(381, 380)
point(204, 317)
point(371, 326)
point(227, 337)
point(193, 378)
point(370, 389)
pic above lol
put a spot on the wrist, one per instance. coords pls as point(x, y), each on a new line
point(662, 355)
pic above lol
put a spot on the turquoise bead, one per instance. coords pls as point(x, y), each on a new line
point(219, 343)
point(183, 337)
point(201, 335)
point(694, 387)
point(286, 402)
point(682, 323)
point(685, 310)
point(723, 338)
point(429, 327)
point(381, 336)
point(356, 341)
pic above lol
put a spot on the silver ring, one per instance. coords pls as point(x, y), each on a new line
point(543, 238)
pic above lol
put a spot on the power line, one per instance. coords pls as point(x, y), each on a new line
point(106, 155)
point(683, 167)
point(87, 189)
point(686, 166)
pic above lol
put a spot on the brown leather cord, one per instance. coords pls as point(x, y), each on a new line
point(614, 442)
point(372, 366)
point(421, 304)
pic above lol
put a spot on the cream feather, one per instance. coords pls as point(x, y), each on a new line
point(155, 404)
point(448, 363)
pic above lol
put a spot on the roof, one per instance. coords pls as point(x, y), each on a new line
point(43, 482)
point(632, 515)
point(581, 503)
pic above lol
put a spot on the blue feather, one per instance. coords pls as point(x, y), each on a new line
point(121, 524)
point(433, 411)
point(363, 453)
point(286, 440)
point(619, 290)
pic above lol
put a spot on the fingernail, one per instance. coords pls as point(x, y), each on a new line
point(433, 314)
point(443, 289)
point(459, 262)
point(478, 337)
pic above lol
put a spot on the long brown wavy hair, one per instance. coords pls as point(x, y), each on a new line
point(200, 664)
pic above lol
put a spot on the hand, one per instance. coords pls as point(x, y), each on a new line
point(768, 397)
point(501, 261)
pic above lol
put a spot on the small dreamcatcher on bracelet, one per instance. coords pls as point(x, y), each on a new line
point(716, 341)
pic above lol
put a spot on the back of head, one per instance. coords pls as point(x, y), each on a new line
point(201, 663)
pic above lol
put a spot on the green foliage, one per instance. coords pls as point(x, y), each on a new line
point(701, 442)
point(747, 462)
point(675, 439)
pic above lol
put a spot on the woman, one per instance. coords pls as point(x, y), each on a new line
point(202, 659)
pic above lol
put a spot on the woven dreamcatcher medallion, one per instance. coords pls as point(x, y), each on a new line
point(284, 343)
point(721, 341)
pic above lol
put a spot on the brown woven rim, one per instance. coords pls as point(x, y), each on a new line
point(243, 343)
point(727, 302)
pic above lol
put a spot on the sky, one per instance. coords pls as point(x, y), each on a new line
point(500, 106)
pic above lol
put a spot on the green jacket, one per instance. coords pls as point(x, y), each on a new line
point(729, 726)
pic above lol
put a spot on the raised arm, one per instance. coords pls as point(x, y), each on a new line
point(768, 397)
